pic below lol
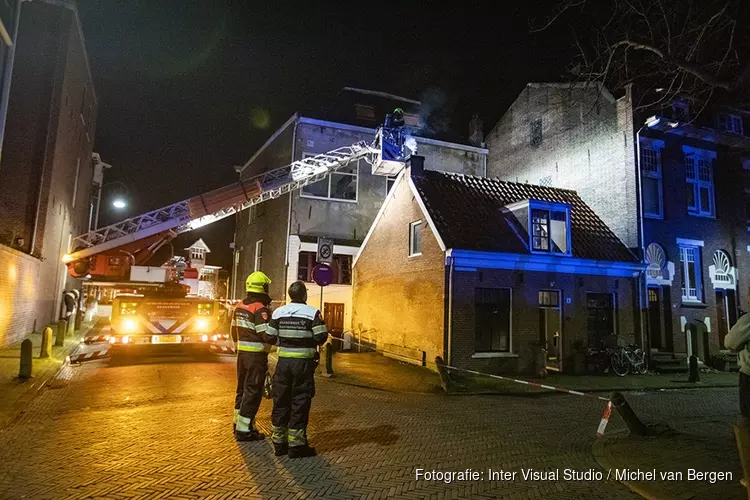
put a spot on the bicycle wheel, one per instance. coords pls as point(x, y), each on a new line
point(641, 367)
point(620, 364)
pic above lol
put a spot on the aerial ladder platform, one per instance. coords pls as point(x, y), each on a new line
point(109, 252)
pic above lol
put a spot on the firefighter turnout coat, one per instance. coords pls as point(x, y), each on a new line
point(298, 330)
point(249, 324)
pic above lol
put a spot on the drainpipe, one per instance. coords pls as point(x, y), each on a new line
point(289, 213)
point(8, 74)
point(449, 350)
point(642, 290)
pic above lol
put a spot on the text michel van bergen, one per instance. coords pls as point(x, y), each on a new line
point(571, 475)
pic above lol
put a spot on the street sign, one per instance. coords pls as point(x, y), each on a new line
point(325, 250)
point(323, 274)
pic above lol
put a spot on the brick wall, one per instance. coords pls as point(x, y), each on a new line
point(586, 145)
point(22, 307)
point(399, 299)
point(525, 331)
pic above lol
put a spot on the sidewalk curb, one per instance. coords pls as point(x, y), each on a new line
point(42, 380)
point(603, 459)
point(618, 389)
point(382, 389)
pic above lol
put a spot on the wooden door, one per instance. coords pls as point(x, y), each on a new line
point(333, 315)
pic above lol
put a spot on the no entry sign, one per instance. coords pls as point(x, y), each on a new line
point(323, 274)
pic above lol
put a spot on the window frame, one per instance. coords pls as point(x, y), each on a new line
point(495, 352)
point(697, 261)
point(412, 226)
point(339, 260)
point(252, 214)
point(726, 123)
point(696, 155)
point(390, 179)
point(258, 259)
point(657, 146)
point(329, 178)
point(549, 207)
point(535, 141)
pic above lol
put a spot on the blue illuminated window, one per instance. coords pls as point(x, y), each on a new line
point(690, 262)
point(549, 225)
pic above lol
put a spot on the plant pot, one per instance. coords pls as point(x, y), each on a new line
point(580, 366)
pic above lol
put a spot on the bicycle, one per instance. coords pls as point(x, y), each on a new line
point(630, 359)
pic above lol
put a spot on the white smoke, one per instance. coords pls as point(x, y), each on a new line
point(411, 145)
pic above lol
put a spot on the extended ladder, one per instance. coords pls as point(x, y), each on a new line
point(215, 205)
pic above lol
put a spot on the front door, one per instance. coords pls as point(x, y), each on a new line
point(654, 318)
point(726, 313)
point(333, 315)
point(550, 327)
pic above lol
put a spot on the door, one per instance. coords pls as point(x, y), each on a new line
point(600, 317)
point(550, 327)
point(333, 315)
point(654, 318)
point(722, 316)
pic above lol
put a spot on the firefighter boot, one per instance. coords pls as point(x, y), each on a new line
point(280, 449)
point(302, 451)
point(252, 435)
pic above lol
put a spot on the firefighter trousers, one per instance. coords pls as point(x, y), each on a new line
point(251, 375)
point(293, 390)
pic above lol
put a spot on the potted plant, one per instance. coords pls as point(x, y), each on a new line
point(579, 357)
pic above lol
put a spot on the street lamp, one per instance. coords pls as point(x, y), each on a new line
point(119, 203)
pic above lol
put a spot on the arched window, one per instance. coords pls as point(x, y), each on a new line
point(656, 259)
point(723, 272)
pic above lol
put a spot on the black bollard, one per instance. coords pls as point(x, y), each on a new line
point(62, 328)
point(628, 415)
point(694, 375)
point(445, 378)
point(329, 360)
point(25, 371)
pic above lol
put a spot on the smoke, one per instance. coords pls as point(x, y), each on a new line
point(411, 145)
point(433, 113)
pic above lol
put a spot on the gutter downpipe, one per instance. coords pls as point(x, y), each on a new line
point(289, 211)
point(642, 287)
point(449, 349)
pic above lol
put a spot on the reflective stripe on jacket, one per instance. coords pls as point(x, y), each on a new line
point(299, 329)
point(249, 321)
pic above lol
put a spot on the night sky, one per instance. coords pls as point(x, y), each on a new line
point(189, 89)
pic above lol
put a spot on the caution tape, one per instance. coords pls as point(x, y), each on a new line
point(89, 356)
point(607, 407)
point(96, 339)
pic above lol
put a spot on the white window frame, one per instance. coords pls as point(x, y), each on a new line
point(731, 123)
point(75, 181)
point(252, 214)
point(697, 155)
point(302, 193)
point(258, 256)
point(549, 208)
point(415, 226)
point(691, 294)
point(390, 179)
point(198, 254)
point(656, 146)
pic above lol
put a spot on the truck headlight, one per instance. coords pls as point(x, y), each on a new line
point(202, 324)
point(129, 325)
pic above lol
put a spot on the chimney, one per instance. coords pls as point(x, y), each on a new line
point(476, 131)
point(416, 165)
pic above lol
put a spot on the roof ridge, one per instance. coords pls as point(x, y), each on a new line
point(497, 179)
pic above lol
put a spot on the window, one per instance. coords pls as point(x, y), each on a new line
point(342, 268)
point(415, 238)
point(254, 212)
point(535, 132)
point(258, 255)
point(550, 228)
point(699, 181)
point(681, 111)
point(690, 261)
point(651, 178)
point(730, 123)
point(340, 185)
point(389, 182)
point(722, 269)
point(198, 254)
point(492, 320)
point(600, 317)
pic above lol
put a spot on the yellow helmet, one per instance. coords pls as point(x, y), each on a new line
point(257, 282)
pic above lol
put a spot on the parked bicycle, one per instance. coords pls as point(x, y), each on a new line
point(630, 359)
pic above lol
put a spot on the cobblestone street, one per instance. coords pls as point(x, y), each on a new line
point(161, 427)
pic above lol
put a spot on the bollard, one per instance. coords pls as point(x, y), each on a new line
point(742, 436)
point(329, 361)
point(62, 327)
point(25, 371)
point(445, 378)
point(79, 319)
point(628, 415)
point(71, 325)
point(46, 350)
point(694, 375)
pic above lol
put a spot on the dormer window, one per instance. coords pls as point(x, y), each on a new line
point(730, 123)
point(545, 224)
point(681, 111)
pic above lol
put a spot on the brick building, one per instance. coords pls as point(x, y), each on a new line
point(680, 210)
point(279, 236)
point(46, 170)
point(482, 272)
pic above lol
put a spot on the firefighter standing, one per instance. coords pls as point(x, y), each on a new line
point(249, 325)
point(298, 330)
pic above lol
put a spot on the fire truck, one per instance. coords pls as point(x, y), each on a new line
point(144, 314)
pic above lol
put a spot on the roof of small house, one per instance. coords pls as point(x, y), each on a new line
point(468, 214)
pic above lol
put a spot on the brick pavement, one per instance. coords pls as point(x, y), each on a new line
point(162, 428)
